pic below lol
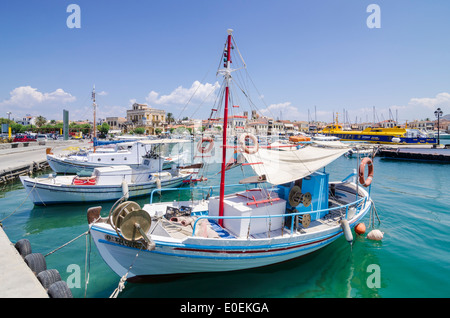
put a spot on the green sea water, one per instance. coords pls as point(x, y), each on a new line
point(412, 260)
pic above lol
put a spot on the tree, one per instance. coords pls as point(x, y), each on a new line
point(158, 131)
point(103, 129)
point(169, 118)
point(40, 121)
point(139, 131)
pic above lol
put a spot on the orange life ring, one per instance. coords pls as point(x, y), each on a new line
point(244, 147)
point(366, 161)
point(207, 149)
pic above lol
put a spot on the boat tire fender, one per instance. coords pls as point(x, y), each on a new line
point(36, 262)
point(366, 182)
point(48, 277)
point(244, 147)
point(59, 289)
point(23, 246)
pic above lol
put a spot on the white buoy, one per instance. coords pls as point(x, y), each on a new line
point(125, 189)
point(158, 183)
point(375, 235)
point(347, 231)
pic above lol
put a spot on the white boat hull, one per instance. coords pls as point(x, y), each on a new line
point(197, 254)
point(44, 194)
point(73, 166)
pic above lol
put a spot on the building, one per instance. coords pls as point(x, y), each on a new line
point(27, 120)
point(422, 124)
point(387, 123)
point(142, 115)
point(258, 127)
point(116, 123)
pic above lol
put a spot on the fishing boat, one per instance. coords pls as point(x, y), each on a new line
point(288, 208)
point(105, 184)
point(127, 153)
point(395, 135)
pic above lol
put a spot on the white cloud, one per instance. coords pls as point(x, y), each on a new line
point(284, 111)
point(441, 99)
point(28, 99)
point(423, 107)
point(112, 111)
point(102, 93)
point(197, 93)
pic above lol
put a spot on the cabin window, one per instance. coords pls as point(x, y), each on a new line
point(99, 159)
point(112, 159)
point(125, 158)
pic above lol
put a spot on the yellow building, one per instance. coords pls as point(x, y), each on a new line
point(142, 115)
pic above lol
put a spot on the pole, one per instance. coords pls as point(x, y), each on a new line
point(439, 141)
point(225, 122)
point(94, 139)
point(438, 114)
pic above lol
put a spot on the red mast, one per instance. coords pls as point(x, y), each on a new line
point(225, 123)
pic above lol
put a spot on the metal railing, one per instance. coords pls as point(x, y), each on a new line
point(292, 215)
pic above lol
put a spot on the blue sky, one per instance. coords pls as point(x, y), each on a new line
point(301, 55)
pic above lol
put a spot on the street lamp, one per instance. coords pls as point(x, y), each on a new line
point(9, 115)
point(438, 113)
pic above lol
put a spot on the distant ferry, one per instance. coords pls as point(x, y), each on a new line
point(394, 135)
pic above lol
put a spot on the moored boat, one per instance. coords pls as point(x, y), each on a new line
point(105, 184)
point(394, 135)
point(132, 154)
point(288, 209)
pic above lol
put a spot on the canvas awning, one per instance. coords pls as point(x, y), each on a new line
point(285, 166)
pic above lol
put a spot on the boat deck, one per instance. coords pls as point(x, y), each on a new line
point(342, 195)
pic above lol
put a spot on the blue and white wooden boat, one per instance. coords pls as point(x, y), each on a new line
point(105, 184)
point(288, 209)
point(131, 154)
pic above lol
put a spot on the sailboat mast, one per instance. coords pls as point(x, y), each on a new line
point(225, 123)
point(94, 105)
point(95, 119)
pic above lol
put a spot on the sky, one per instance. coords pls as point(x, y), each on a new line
point(307, 59)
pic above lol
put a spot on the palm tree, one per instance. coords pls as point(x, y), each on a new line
point(170, 118)
point(40, 121)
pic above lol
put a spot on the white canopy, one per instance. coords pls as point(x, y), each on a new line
point(285, 166)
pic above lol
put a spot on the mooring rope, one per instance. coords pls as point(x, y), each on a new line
point(85, 233)
point(373, 213)
point(123, 279)
point(19, 205)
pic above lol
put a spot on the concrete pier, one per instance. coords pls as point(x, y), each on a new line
point(16, 278)
point(21, 159)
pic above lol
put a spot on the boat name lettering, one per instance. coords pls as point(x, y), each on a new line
point(120, 241)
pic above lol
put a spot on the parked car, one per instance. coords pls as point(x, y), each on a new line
point(41, 138)
point(24, 138)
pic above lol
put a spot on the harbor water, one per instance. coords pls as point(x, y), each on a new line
point(413, 259)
